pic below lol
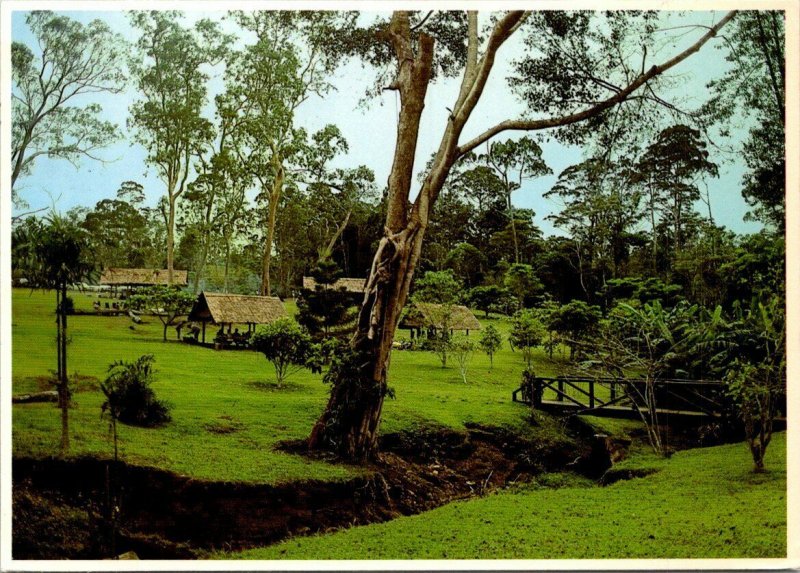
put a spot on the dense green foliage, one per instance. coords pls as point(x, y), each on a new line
point(327, 310)
point(130, 399)
point(286, 345)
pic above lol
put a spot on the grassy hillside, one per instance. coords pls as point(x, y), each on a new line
point(228, 417)
point(703, 503)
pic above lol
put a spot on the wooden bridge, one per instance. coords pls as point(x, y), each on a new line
point(623, 397)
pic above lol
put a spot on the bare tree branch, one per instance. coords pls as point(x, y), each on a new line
point(622, 95)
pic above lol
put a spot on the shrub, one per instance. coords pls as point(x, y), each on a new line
point(286, 345)
point(129, 397)
point(756, 373)
point(490, 342)
point(526, 333)
point(462, 348)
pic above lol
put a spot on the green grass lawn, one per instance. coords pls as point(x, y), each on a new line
point(703, 503)
point(212, 389)
point(228, 417)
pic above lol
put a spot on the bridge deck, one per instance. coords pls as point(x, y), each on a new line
point(615, 411)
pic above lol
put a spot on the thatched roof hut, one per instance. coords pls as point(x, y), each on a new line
point(352, 285)
point(222, 308)
point(142, 277)
point(439, 316)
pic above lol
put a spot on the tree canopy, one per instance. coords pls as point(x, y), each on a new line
point(47, 84)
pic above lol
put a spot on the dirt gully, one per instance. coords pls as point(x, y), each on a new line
point(61, 507)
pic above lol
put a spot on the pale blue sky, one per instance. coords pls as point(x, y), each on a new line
point(370, 132)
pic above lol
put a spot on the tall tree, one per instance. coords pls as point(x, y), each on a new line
point(71, 60)
point(515, 161)
point(755, 85)
point(290, 62)
point(60, 257)
point(420, 48)
point(673, 165)
point(217, 206)
point(120, 231)
point(601, 208)
point(170, 66)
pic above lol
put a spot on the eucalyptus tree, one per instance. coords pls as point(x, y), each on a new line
point(217, 207)
point(572, 74)
point(291, 61)
point(319, 220)
point(171, 66)
point(336, 194)
point(70, 60)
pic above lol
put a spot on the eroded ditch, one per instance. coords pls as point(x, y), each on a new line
point(164, 515)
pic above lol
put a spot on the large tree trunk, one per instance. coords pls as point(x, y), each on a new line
point(349, 425)
point(351, 420)
point(201, 266)
point(227, 264)
point(653, 227)
point(513, 227)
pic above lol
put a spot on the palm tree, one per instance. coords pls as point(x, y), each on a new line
point(59, 256)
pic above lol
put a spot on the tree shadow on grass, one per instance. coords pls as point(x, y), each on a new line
point(224, 425)
point(78, 382)
point(768, 475)
point(272, 386)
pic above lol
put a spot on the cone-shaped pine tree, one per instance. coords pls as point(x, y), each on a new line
point(327, 310)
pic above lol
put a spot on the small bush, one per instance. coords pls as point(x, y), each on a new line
point(129, 397)
point(490, 342)
point(288, 347)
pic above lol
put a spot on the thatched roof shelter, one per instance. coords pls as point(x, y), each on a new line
point(222, 308)
point(142, 277)
point(439, 316)
point(353, 285)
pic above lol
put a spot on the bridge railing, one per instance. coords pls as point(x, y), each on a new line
point(597, 393)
